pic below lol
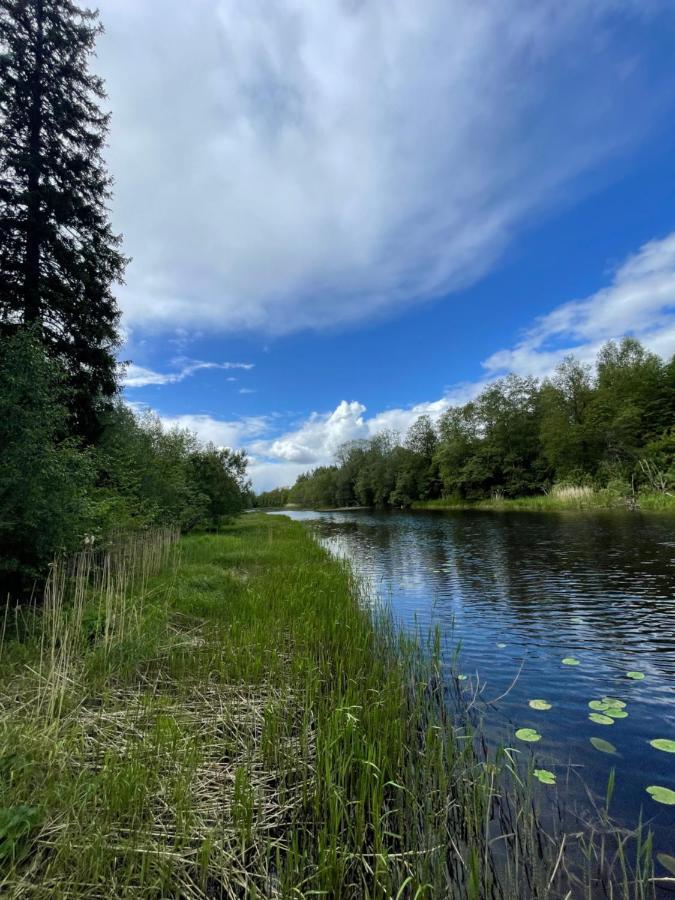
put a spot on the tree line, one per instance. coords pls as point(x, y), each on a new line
point(608, 426)
point(75, 460)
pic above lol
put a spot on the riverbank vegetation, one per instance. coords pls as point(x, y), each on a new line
point(582, 438)
point(77, 464)
point(228, 716)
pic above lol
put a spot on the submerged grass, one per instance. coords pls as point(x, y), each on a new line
point(227, 716)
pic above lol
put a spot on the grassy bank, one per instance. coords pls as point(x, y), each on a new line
point(574, 499)
point(223, 717)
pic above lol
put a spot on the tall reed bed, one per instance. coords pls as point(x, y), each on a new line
point(234, 719)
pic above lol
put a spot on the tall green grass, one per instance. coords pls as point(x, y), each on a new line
point(570, 499)
point(230, 716)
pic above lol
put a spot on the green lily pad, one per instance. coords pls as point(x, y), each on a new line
point(544, 776)
point(539, 704)
point(663, 744)
point(616, 713)
point(668, 862)
point(601, 719)
point(598, 705)
point(661, 794)
point(615, 704)
point(570, 661)
point(636, 676)
point(462, 677)
point(603, 746)
point(528, 734)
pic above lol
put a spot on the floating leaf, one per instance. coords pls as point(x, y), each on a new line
point(636, 676)
point(615, 704)
point(668, 862)
point(539, 704)
point(501, 646)
point(598, 705)
point(544, 776)
point(616, 713)
point(462, 677)
point(601, 719)
point(603, 746)
point(570, 661)
point(661, 794)
point(528, 734)
point(663, 744)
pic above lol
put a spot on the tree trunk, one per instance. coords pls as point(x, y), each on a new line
point(34, 226)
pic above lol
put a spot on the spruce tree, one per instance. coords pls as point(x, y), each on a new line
point(59, 257)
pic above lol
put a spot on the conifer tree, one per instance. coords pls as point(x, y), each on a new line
point(59, 257)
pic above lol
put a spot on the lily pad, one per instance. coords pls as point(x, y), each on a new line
point(661, 794)
point(462, 677)
point(598, 705)
point(570, 661)
point(668, 862)
point(544, 776)
point(636, 676)
point(528, 734)
point(616, 713)
point(615, 704)
point(601, 719)
point(539, 704)
point(663, 744)
point(603, 746)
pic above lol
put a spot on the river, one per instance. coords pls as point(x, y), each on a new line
point(518, 593)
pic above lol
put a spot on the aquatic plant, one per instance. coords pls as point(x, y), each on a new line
point(664, 744)
point(601, 719)
point(602, 745)
point(661, 794)
point(570, 661)
point(539, 704)
point(544, 776)
point(528, 734)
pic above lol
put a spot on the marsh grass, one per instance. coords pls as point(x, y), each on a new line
point(226, 716)
point(563, 497)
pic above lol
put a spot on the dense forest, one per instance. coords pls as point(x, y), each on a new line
point(610, 427)
point(77, 463)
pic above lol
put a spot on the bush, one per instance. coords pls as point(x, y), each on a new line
point(45, 476)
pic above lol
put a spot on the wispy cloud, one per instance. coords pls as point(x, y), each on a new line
point(337, 160)
point(234, 433)
point(139, 376)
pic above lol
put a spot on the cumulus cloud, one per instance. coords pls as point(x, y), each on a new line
point(306, 164)
point(138, 376)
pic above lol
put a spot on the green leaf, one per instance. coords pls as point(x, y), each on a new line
point(668, 862)
point(661, 794)
point(603, 746)
point(544, 776)
point(528, 734)
point(462, 677)
point(615, 704)
point(598, 705)
point(570, 661)
point(539, 704)
point(616, 713)
point(636, 676)
point(601, 719)
point(664, 744)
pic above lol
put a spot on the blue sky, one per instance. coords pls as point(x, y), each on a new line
point(342, 215)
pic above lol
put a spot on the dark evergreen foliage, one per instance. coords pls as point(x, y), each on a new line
point(58, 254)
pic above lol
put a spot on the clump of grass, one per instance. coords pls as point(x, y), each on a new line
point(224, 717)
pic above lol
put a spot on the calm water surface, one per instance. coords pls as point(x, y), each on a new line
point(521, 591)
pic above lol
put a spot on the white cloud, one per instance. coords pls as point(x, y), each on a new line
point(310, 163)
point(639, 301)
point(222, 433)
point(138, 376)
